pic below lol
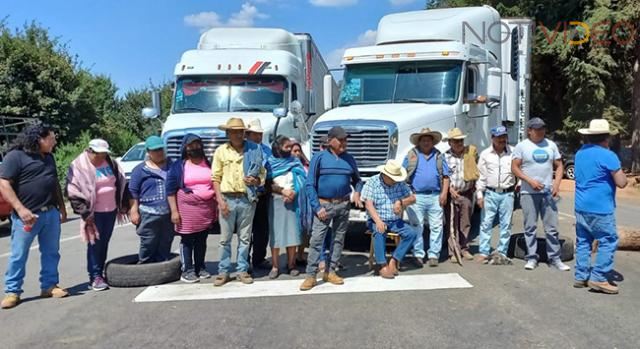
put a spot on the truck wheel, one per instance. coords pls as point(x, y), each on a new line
point(125, 272)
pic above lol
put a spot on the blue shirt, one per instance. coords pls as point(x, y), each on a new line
point(426, 177)
point(385, 196)
point(147, 185)
point(331, 177)
point(595, 188)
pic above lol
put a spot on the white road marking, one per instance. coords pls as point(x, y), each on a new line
point(36, 246)
point(234, 289)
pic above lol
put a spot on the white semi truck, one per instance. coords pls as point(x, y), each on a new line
point(442, 68)
point(247, 73)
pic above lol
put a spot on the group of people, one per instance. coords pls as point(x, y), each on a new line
point(274, 196)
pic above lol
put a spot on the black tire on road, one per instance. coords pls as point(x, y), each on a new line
point(518, 248)
point(125, 272)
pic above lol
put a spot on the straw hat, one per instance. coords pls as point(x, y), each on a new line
point(596, 127)
point(393, 170)
point(233, 124)
point(456, 133)
point(254, 125)
point(437, 136)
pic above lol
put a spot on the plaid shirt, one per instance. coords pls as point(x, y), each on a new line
point(456, 172)
point(384, 196)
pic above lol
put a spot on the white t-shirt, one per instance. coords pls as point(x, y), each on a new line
point(537, 162)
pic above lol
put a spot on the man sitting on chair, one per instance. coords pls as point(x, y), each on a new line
point(386, 196)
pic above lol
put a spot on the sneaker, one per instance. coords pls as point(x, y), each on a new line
point(221, 279)
point(559, 265)
point(580, 283)
point(10, 300)
point(333, 278)
point(603, 287)
point(99, 284)
point(204, 274)
point(245, 278)
point(531, 264)
point(433, 262)
point(273, 274)
point(55, 292)
point(308, 283)
point(189, 277)
point(294, 272)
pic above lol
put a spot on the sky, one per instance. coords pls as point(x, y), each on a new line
point(136, 42)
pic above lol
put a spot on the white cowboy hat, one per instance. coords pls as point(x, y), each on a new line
point(233, 124)
point(596, 127)
point(393, 170)
point(254, 125)
point(437, 136)
point(456, 133)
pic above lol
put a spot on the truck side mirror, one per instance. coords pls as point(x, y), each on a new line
point(155, 110)
point(328, 92)
point(494, 87)
point(280, 113)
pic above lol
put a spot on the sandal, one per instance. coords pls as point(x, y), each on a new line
point(294, 271)
point(273, 274)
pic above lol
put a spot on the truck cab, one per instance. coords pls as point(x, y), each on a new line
point(440, 69)
point(247, 73)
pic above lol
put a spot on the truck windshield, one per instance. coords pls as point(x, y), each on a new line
point(229, 94)
point(402, 82)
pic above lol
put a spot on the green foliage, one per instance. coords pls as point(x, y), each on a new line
point(67, 152)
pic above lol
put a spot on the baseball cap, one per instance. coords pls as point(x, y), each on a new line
point(154, 143)
point(337, 132)
point(498, 131)
point(99, 146)
point(536, 123)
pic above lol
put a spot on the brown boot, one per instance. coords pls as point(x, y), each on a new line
point(467, 255)
point(387, 272)
point(333, 278)
point(245, 278)
point(308, 283)
point(395, 266)
point(10, 300)
point(603, 287)
point(580, 283)
point(55, 292)
point(221, 279)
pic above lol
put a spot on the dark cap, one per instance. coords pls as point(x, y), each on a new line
point(536, 123)
point(337, 132)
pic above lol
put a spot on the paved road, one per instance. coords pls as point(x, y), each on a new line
point(507, 307)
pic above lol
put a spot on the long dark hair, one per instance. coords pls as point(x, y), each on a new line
point(303, 158)
point(29, 139)
point(276, 146)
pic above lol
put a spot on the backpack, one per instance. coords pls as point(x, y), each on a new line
point(412, 160)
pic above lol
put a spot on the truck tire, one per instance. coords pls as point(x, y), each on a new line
point(518, 248)
point(125, 272)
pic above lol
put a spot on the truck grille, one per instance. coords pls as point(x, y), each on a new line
point(369, 146)
point(210, 144)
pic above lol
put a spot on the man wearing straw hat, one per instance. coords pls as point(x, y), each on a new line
point(237, 172)
point(598, 172)
point(260, 230)
point(386, 196)
point(428, 175)
point(463, 168)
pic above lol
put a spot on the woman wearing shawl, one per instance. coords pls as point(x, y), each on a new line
point(288, 205)
point(96, 190)
point(193, 206)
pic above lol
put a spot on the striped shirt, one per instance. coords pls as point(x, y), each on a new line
point(456, 172)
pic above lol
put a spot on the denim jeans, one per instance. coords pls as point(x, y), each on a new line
point(427, 205)
point(339, 222)
point(97, 253)
point(407, 234)
point(600, 227)
point(193, 248)
point(544, 206)
point(47, 229)
point(500, 204)
point(156, 235)
point(240, 221)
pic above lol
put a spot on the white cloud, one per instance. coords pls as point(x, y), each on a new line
point(333, 3)
point(246, 17)
point(365, 39)
point(401, 2)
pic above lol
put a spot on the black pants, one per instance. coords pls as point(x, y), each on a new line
point(260, 230)
point(193, 248)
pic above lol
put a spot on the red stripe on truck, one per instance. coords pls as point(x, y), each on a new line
point(255, 67)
